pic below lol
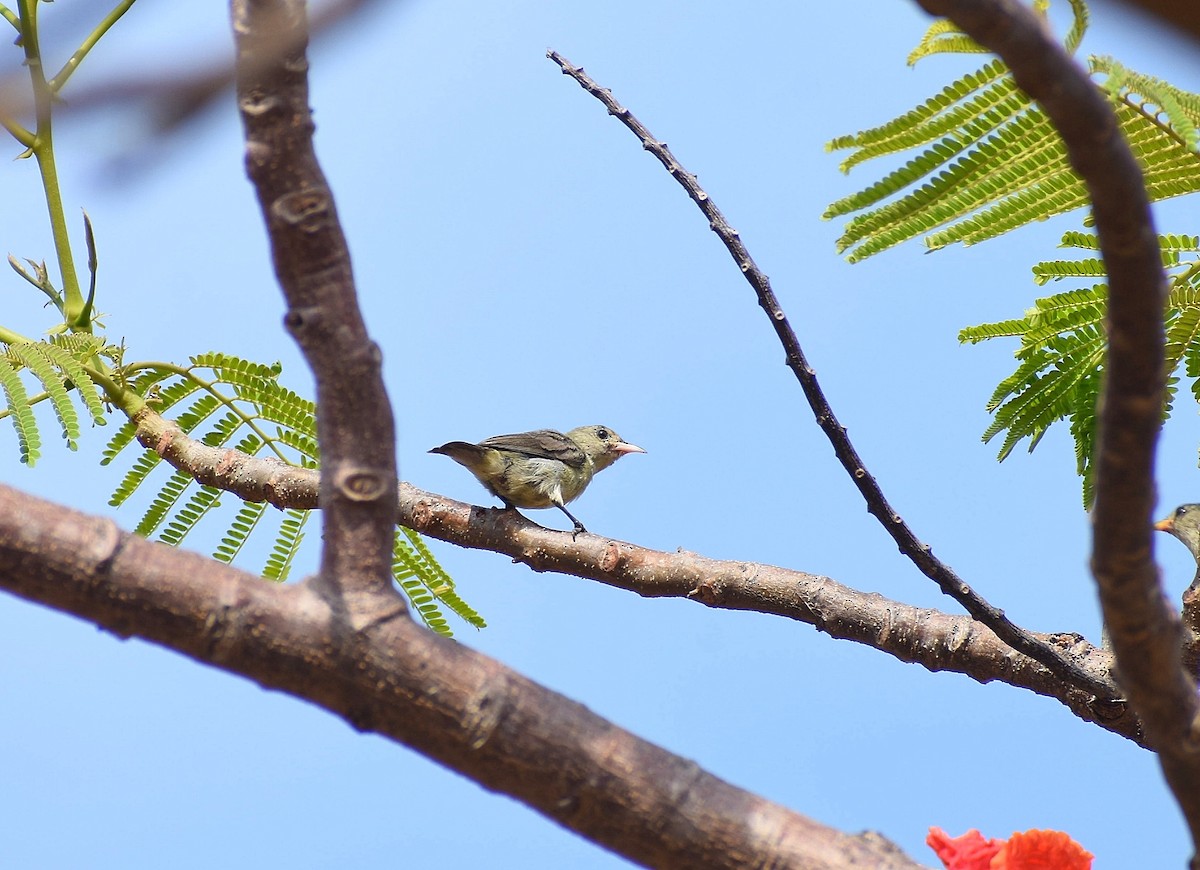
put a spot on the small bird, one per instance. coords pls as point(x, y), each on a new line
point(540, 469)
point(1184, 524)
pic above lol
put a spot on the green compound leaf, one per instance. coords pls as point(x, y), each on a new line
point(231, 401)
point(990, 161)
point(1062, 350)
point(20, 412)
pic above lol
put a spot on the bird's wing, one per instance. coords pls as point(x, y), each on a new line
point(542, 444)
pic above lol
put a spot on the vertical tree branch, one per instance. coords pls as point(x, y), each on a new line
point(1146, 632)
point(312, 262)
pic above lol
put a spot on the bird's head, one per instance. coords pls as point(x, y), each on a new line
point(1184, 523)
point(602, 445)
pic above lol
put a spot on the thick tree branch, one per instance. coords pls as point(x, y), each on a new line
point(384, 672)
point(1146, 632)
point(312, 263)
point(394, 678)
point(935, 640)
point(919, 553)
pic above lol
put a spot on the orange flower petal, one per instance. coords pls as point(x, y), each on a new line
point(971, 851)
point(1041, 850)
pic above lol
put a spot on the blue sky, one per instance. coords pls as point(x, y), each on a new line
point(506, 231)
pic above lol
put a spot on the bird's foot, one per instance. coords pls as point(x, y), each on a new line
point(578, 528)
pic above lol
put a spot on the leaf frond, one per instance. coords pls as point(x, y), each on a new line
point(423, 580)
point(287, 545)
point(228, 401)
point(20, 410)
point(929, 115)
point(199, 503)
point(1061, 350)
point(1057, 270)
point(59, 367)
point(34, 356)
point(170, 493)
point(996, 163)
point(243, 524)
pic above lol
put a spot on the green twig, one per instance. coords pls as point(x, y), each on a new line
point(74, 307)
point(18, 132)
point(8, 336)
point(56, 84)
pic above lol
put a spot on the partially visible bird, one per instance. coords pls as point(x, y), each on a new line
point(1184, 524)
point(540, 469)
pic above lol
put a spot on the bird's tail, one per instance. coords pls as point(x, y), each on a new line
point(462, 452)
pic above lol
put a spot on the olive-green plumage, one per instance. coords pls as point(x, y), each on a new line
point(540, 469)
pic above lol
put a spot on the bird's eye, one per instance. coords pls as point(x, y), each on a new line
point(1180, 511)
point(602, 434)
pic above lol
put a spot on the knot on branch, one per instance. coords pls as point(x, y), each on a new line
point(309, 210)
point(361, 484)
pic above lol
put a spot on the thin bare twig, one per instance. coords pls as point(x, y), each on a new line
point(920, 554)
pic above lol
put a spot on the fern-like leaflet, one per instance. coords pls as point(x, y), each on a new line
point(59, 367)
point(1062, 350)
point(230, 399)
point(989, 162)
point(992, 161)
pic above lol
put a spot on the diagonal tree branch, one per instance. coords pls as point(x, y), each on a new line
point(394, 678)
point(935, 640)
point(919, 553)
point(1146, 632)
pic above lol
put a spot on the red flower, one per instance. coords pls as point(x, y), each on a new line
point(968, 852)
point(1042, 850)
point(1032, 850)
